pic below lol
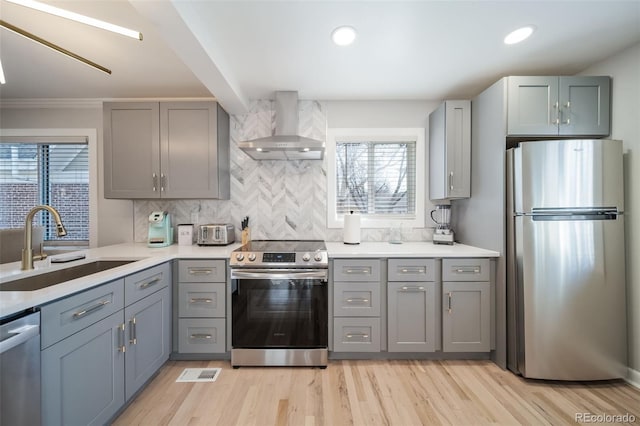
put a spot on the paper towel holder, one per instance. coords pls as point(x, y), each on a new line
point(351, 229)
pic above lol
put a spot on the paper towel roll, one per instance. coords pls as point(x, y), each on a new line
point(352, 228)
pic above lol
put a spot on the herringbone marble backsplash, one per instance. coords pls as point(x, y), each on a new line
point(283, 199)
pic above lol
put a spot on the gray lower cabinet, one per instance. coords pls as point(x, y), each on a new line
point(412, 319)
point(100, 346)
point(201, 306)
point(466, 305)
point(83, 375)
point(356, 305)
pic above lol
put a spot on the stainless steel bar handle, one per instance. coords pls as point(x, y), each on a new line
point(474, 270)
point(193, 271)
point(154, 181)
point(556, 107)
point(201, 336)
point(201, 300)
point(416, 288)
point(360, 335)
point(121, 346)
point(283, 274)
point(133, 334)
point(413, 271)
point(449, 302)
point(95, 307)
point(149, 283)
point(451, 181)
point(358, 300)
point(163, 181)
point(358, 271)
point(18, 337)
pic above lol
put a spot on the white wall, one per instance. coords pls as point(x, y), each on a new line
point(115, 217)
point(624, 68)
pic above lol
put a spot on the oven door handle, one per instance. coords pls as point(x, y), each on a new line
point(268, 274)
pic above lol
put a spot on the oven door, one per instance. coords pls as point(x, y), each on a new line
point(279, 309)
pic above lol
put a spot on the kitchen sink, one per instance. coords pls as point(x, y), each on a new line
point(37, 282)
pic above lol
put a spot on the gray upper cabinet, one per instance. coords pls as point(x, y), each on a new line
point(558, 106)
point(166, 150)
point(450, 151)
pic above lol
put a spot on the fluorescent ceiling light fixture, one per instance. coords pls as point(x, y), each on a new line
point(78, 18)
point(52, 46)
point(2, 80)
point(343, 36)
point(519, 35)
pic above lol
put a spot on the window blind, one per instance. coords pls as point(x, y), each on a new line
point(376, 178)
point(56, 174)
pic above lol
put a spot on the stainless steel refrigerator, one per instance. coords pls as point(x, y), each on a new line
point(566, 307)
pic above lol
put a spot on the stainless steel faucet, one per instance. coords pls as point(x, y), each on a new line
point(27, 251)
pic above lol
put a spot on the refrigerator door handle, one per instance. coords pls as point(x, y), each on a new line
point(562, 214)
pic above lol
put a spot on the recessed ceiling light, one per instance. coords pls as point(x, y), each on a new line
point(519, 35)
point(343, 36)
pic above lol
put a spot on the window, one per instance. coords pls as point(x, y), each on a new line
point(378, 173)
point(53, 172)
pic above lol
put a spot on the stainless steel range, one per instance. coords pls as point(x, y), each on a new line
point(279, 304)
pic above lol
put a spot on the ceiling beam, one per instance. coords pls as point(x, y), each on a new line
point(179, 29)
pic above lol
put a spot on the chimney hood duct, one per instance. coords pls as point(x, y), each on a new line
point(285, 144)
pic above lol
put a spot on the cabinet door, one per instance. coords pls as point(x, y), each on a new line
point(458, 149)
point(584, 106)
point(148, 324)
point(412, 316)
point(532, 106)
point(83, 375)
point(188, 134)
point(131, 150)
point(466, 320)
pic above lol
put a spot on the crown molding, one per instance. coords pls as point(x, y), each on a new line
point(78, 103)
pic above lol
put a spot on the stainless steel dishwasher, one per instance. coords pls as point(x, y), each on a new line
point(20, 369)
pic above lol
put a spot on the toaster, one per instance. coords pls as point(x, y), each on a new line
point(216, 234)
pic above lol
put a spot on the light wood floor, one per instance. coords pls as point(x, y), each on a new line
point(372, 393)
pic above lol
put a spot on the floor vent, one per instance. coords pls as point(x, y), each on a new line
point(199, 375)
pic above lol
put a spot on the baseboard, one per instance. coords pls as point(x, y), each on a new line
point(633, 377)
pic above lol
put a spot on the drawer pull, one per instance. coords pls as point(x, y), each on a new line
point(150, 282)
point(407, 288)
point(468, 270)
point(201, 336)
point(201, 300)
point(358, 300)
point(200, 271)
point(95, 307)
point(133, 338)
point(358, 335)
point(413, 270)
point(366, 271)
point(121, 347)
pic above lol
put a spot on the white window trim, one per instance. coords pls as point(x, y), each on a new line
point(416, 134)
point(92, 140)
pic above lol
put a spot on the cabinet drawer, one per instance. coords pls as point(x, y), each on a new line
point(67, 316)
point(466, 269)
point(356, 270)
point(356, 299)
point(144, 283)
point(411, 269)
point(201, 271)
point(196, 336)
point(356, 334)
point(201, 300)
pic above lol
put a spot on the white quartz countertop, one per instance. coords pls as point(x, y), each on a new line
point(406, 249)
point(145, 257)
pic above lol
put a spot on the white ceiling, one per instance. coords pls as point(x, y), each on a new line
point(241, 50)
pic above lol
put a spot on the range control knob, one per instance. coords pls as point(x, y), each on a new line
point(306, 257)
point(239, 257)
point(252, 257)
point(317, 257)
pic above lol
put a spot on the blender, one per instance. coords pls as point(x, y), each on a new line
point(442, 217)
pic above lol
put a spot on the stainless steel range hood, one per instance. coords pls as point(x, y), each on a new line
point(285, 144)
